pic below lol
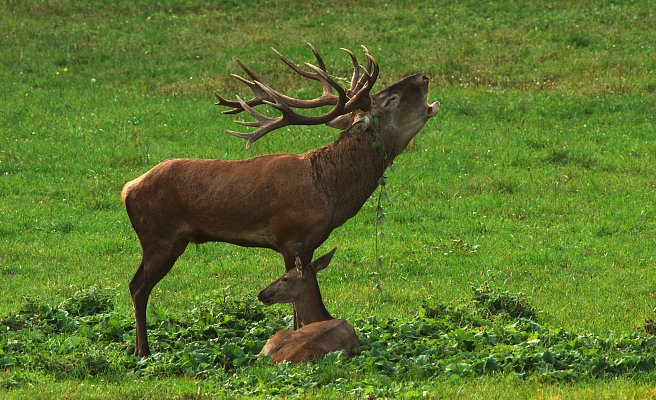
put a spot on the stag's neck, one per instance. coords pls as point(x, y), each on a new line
point(348, 171)
point(310, 307)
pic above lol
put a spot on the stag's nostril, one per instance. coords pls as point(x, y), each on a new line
point(425, 78)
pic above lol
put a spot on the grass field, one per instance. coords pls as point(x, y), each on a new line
point(537, 176)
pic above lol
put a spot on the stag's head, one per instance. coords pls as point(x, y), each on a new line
point(292, 286)
point(395, 113)
point(398, 112)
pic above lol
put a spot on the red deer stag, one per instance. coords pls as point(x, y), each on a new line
point(320, 333)
point(286, 202)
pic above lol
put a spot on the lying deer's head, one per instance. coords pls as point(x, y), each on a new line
point(395, 113)
point(292, 286)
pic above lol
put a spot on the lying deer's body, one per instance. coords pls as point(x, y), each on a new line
point(286, 202)
point(311, 342)
point(320, 333)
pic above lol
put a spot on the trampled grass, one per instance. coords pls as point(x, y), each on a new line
point(537, 175)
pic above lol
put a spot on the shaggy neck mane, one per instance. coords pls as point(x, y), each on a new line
point(348, 171)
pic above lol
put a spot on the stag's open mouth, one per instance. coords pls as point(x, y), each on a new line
point(433, 108)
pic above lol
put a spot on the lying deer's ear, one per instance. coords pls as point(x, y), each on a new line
point(323, 261)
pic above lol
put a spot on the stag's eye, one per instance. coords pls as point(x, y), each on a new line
point(283, 280)
point(392, 100)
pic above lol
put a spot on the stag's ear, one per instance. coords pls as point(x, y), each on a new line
point(361, 123)
point(343, 122)
point(354, 123)
point(323, 261)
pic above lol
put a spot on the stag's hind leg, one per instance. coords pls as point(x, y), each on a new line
point(157, 261)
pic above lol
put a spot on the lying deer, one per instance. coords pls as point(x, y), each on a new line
point(286, 202)
point(320, 333)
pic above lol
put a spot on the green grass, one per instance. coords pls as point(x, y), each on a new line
point(537, 175)
point(493, 334)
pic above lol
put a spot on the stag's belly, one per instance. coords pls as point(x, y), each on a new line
point(275, 231)
point(249, 238)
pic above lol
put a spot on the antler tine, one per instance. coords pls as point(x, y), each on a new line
point(291, 65)
point(371, 63)
point(364, 80)
point(369, 76)
point(248, 71)
point(329, 79)
point(260, 118)
point(325, 85)
point(356, 72)
point(228, 103)
point(317, 56)
point(362, 98)
point(374, 71)
point(278, 100)
point(242, 79)
point(258, 98)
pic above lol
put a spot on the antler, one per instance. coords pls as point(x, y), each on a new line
point(359, 92)
point(357, 96)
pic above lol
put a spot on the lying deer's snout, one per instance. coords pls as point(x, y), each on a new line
point(264, 298)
